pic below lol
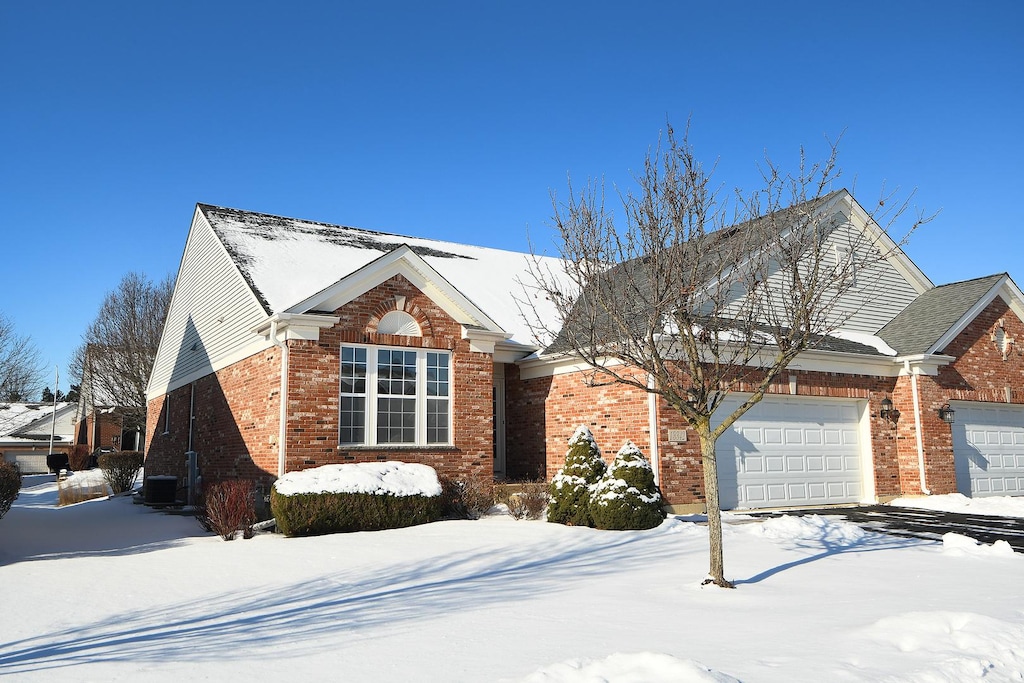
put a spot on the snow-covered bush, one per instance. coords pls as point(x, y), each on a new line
point(10, 485)
point(570, 487)
point(467, 497)
point(228, 506)
point(626, 497)
point(355, 497)
point(121, 469)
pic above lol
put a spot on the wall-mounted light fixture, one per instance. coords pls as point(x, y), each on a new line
point(947, 414)
point(889, 413)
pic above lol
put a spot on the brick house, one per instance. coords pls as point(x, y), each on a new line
point(292, 344)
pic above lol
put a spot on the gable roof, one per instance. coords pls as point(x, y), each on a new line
point(19, 420)
point(930, 322)
point(294, 266)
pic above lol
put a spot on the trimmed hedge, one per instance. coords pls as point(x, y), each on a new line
point(627, 496)
point(10, 485)
point(121, 469)
point(313, 514)
point(570, 487)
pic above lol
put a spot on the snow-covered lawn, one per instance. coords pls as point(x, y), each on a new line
point(108, 590)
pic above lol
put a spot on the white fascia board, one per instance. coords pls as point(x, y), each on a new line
point(534, 367)
point(897, 257)
point(400, 261)
point(297, 325)
point(510, 352)
point(923, 363)
point(483, 341)
point(973, 313)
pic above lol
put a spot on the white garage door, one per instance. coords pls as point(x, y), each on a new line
point(789, 451)
point(988, 447)
point(28, 461)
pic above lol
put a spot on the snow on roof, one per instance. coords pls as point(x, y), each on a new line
point(14, 416)
point(287, 260)
point(394, 478)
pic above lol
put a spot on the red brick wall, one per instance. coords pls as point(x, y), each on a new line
point(237, 409)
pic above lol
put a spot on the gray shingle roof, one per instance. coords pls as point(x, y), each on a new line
point(921, 324)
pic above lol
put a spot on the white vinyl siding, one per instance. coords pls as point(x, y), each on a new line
point(211, 316)
point(392, 396)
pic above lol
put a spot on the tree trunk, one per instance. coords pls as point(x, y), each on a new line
point(716, 573)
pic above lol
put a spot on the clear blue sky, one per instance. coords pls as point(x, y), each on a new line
point(454, 120)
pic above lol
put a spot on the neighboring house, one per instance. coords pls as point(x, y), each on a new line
point(100, 422)
point(25, 433)
point(292, 344)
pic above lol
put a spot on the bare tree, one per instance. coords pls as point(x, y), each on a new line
point(694, 298)
point(20, 364)
point(113, 363)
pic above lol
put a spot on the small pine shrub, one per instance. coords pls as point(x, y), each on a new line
point(121, 469)
point(312, 514)
point(227, 507)
point(570, 487)
point(529, 501)
point(627, 497)
point(467, 498)
point(10, 485)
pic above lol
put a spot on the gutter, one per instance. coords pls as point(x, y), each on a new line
point(917, 426)
point(282, 433)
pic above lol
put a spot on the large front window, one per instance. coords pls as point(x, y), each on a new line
point(394, 396)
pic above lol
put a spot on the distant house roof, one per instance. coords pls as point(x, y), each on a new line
point(30, 421)
point(285, 261)
point(920, 326)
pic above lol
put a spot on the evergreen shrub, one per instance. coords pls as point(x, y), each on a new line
point(313, 514)
point(570, 487)
point(121, 469)
point(10, 485)
point(627, 497)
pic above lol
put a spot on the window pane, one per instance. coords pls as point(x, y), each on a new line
point(396, 373)
point(396, 420)
point(437, 420)
point(352, 419)
point(437, 374)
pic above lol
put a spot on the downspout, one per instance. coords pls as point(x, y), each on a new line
point(283, 393)
point(917, 426)
point(652, 417)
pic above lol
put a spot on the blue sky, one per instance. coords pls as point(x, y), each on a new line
point(455, 120)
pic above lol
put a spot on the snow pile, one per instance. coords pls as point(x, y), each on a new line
point(393, 478)
point(643, 667)
point(950, 646)
point(826, 530)
point(956, 544)
point(997, 506)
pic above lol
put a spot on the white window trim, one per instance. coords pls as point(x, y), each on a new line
point(370, 428)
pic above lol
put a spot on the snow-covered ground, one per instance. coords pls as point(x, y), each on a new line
point(108, 590)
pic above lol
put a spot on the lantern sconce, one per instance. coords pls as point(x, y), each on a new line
point(889, 413)
point(947, 414)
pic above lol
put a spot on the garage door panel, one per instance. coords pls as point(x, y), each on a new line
point(988, 449)
point(791, 452)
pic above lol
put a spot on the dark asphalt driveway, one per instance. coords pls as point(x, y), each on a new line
point(900, 521)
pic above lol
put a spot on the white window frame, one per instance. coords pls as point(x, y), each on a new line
point(421, 397)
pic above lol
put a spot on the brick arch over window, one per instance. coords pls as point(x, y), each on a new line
point(402, 305)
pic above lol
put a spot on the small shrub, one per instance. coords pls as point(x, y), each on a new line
point(312, 514)
point(227, 507)
point(10, 485)
point(627, 497)
point(79, 458)
point(121, 469)
point(570, 487)
point(468, 498)
point(529, 501)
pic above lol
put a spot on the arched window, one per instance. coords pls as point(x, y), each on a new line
point(399, 322)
